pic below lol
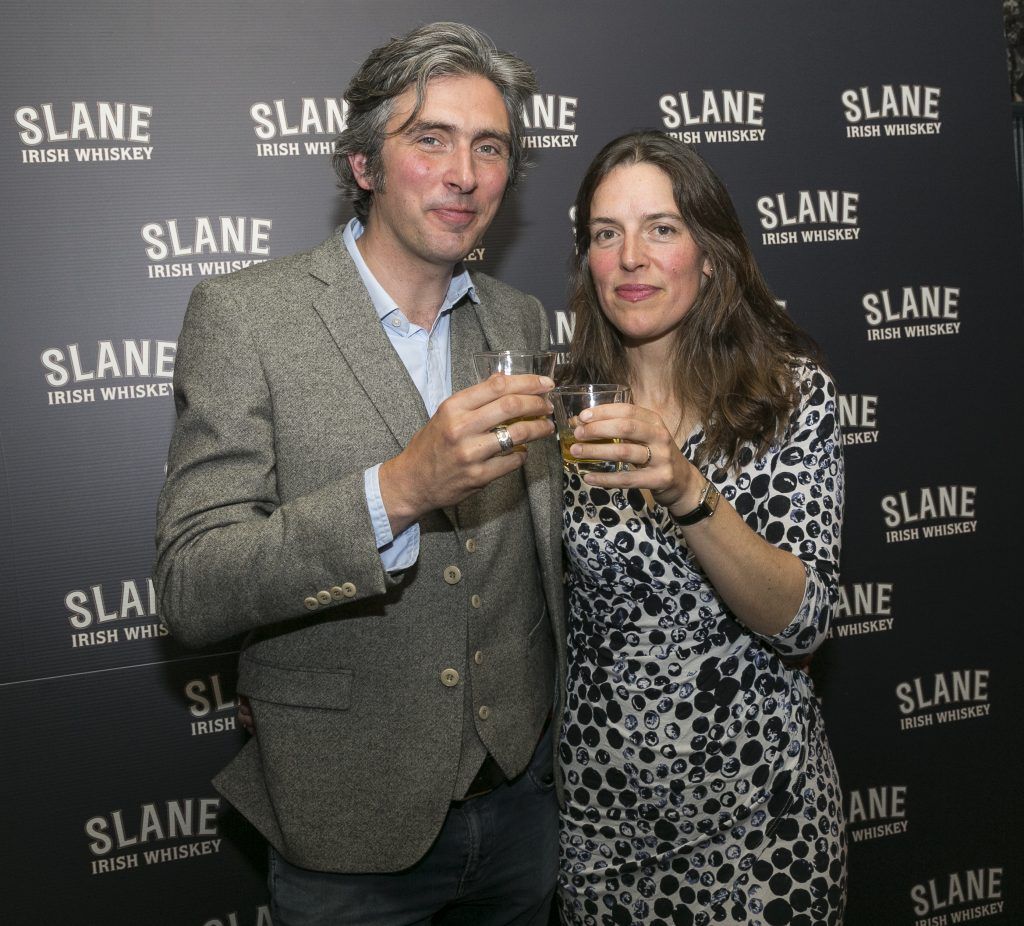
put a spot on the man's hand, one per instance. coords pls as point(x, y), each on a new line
point(457, 453)
point(245, 715)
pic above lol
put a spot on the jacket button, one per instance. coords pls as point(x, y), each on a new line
point(475, 601)
point(311, 603)
point(323, 597)
point(449, 678)
point(471, 545)
point(348, 589)
point(478, 657)
point(336, 593)
point(452, 575)
point(484, 712)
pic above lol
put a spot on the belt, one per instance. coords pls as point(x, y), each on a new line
point(486, 780)
point(490, 775)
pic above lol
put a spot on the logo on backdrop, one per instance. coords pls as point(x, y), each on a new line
point(260, 918)
point(210, 705)
point(945, 697)
point(857, 418)
point(125, 614)
point(713, 116)
point(875, 813)
point(83, 373)
point(476, 255)
point(561, 331)
point(550, 121)
point(863, 607)
point(959, 897)
point(930, 511)
point(912, 312)
point(891, 111)
point(86, 133)
point(809, 216)
point(154, 833)
point(219, 245)
point(290, 129)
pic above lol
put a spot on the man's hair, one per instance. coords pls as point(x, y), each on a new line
point(735, 346)
point(435, 50)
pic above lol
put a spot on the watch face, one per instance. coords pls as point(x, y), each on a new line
point(705, 507)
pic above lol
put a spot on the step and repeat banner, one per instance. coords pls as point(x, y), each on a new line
point(150, 145)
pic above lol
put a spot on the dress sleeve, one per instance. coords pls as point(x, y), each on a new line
point(802, 512)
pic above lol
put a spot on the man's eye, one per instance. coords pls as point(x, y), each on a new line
point(664, 230)
point(490, 150)
point(604, 234)
point(428, 141)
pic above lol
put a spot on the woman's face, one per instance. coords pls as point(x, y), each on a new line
point(646, 267)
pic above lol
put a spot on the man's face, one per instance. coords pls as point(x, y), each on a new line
point(444, 175)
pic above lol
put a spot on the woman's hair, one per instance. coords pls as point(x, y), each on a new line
point(435, 50)
point(735, 347)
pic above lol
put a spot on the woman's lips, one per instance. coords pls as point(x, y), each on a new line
point(635, 292)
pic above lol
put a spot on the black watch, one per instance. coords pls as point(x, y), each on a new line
point(705, 507)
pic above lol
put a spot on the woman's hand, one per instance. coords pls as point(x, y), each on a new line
point(762, 584)
point(648, 446)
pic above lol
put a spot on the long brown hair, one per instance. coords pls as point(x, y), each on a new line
point(735, 347)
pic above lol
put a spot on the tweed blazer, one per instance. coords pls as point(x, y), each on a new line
point(286, 390)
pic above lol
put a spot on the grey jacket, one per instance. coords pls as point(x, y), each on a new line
point(364, 686)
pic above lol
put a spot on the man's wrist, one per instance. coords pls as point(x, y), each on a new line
point(398, 504)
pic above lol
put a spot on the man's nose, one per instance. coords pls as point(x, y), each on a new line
point(461, 170)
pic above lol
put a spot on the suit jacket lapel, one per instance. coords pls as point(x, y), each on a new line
point(349, 315)
point(543, 477)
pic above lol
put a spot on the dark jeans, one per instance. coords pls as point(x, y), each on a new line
point(493, 864)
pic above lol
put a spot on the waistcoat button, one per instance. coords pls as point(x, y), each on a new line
point(449, 678)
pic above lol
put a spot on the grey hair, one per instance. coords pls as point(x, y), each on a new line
point(436, 50)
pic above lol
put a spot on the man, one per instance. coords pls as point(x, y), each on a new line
point(341, 488)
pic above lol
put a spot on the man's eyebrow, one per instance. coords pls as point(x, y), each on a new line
point(421, 126)
point(417, 127)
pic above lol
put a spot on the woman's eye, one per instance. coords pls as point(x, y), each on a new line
point(604, 234)
point(664, 231)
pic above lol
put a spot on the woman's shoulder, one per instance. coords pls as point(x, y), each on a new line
point(810, 377)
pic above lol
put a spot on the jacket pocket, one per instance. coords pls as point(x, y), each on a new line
point(295, 685)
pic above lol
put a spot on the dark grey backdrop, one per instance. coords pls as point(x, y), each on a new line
point(111, 730)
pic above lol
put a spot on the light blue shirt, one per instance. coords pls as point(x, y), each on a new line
point(427, 357)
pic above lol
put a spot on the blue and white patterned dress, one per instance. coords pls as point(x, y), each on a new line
point(700, 785)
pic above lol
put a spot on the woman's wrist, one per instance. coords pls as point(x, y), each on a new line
point(705, 506)
point(689, 497)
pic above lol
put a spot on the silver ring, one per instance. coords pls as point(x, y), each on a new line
point(505, 442)
point(648, 460)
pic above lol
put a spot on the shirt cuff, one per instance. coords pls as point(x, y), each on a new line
point(396, 553)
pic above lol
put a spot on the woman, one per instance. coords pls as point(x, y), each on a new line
point(700, 786)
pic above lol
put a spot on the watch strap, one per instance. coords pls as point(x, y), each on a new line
point(709, 497)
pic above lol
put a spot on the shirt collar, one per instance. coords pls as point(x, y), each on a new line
point(461, 284)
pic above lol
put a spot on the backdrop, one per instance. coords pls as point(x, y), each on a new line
point(867, 146)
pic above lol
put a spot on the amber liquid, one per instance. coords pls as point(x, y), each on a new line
point(566, 440)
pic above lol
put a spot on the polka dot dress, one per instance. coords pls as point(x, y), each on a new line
point(700, 786)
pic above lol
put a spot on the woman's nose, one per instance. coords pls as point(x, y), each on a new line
point(632, 254)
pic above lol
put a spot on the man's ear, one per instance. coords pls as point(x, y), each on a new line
point(358, 164)
point(707, 268)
